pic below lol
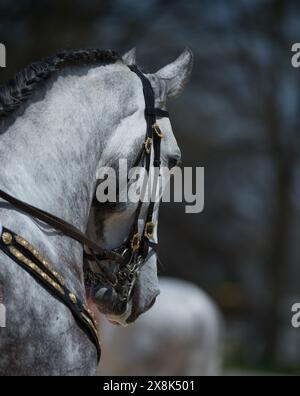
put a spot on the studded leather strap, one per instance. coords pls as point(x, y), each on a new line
point(27, 257)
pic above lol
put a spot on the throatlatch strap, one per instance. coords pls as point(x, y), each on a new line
point(27, 257)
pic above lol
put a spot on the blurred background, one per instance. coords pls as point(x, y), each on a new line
point(239, 118)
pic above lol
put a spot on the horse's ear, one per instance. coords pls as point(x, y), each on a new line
point(130, 57)
point(177, 73)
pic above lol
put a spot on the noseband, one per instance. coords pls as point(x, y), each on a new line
point(130, 256)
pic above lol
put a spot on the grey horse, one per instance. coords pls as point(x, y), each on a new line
point(61, 120)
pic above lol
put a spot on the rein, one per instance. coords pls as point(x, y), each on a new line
point(130, 256)
point(60, 225)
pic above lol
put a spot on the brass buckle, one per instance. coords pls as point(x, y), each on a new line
point(149, 230)
point(135, 242)
point(148, 145)
point(157, 130)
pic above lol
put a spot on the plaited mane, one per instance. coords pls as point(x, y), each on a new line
point(20, 88)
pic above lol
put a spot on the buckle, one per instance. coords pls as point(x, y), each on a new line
point(149, 230)
point(135, 242)
point(157, 130)
point(148, 145)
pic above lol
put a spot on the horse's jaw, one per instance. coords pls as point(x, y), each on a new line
point(143, 297)
point(146, 290)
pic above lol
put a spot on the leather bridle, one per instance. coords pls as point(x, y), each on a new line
point(130, 256)
point(139, 245)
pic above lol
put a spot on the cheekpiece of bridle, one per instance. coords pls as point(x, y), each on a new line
point(129, 257)
point(139, 245)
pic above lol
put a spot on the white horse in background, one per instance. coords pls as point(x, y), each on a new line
point(180, 335)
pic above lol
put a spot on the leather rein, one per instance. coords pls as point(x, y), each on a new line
point(130, 256)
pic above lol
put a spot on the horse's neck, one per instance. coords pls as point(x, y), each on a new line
point(49, 158)
point(50, 153)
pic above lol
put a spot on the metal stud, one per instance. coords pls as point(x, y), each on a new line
point(73, 298)
point(7, 238)
point(16, 253)
point(148, 145)
point(21, 241)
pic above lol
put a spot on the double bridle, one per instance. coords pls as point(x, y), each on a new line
point(139, 245)
point(130, 256)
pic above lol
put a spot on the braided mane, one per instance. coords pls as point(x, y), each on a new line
point(19, 89)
